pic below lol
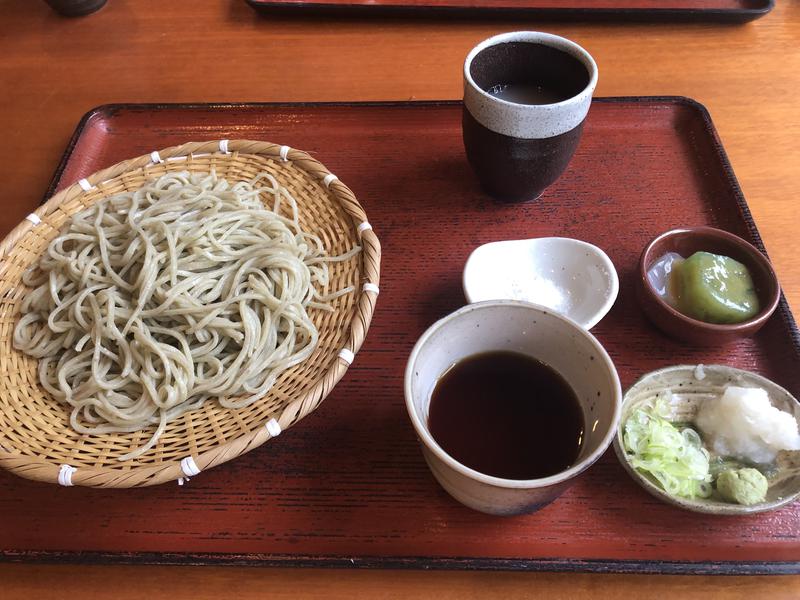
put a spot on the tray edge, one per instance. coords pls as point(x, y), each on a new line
point(648, 567)
point(720, 15)
point(412, 562)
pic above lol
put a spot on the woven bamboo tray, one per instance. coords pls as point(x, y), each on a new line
point(36, 440)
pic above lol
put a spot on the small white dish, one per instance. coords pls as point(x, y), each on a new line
point(571, 277)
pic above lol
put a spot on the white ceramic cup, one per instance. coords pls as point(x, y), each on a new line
point(509, 325)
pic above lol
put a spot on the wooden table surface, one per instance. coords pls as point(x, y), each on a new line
point(53, 70)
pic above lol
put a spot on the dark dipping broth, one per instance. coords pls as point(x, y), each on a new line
point(507, 415)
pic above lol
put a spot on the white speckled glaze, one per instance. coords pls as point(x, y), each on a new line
point(529, 121)
point(528, 329)
point(573, 277)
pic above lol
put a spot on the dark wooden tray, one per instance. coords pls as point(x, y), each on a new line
point(731, 11)
point(348, 486)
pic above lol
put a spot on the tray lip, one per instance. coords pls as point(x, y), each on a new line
point(723, 15)
point(439, 563)
point(653, 567)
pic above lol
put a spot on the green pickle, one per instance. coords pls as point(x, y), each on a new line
point(714, 289)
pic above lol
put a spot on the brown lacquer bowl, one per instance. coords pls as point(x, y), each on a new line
point(686, 242)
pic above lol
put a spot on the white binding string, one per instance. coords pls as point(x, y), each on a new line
point(84, 183)
point(65, 475)
point(285, 153)
point(273, 427)
point(189, 468)
point(347, 355)
point(34, 218)
point(223, 146)
point(363, 227)
point(155, 157)
point(329, 179)
point(371, 287)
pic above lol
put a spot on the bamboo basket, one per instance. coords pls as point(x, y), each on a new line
point(36, 440)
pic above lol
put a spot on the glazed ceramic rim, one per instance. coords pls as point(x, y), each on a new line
point(549, 127)
point(693, 505)
point(730, 328)
point(612, 290)
point(427, 439)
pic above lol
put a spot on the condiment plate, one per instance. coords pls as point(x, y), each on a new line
point(689, 386)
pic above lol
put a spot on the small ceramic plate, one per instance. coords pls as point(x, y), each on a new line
point(689, 391)
point(571, 277)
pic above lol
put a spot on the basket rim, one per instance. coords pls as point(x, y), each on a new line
point(130, 475)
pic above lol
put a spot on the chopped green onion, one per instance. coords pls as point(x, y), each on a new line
point(674, 457)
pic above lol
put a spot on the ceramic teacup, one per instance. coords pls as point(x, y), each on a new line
point(526, 95)
point(510, 325)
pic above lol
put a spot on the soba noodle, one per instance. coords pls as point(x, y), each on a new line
point(150, 303)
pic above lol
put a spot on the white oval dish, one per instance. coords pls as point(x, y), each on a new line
point(571, 277)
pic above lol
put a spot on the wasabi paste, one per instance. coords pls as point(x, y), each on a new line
point(745, 486)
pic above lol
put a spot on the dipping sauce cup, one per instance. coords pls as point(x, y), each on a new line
point(509, 325)
point(526, 95)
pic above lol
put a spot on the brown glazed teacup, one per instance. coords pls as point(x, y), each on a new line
point(526, 95)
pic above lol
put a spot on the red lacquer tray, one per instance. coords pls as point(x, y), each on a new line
point(732, 11)
point(348, 486)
